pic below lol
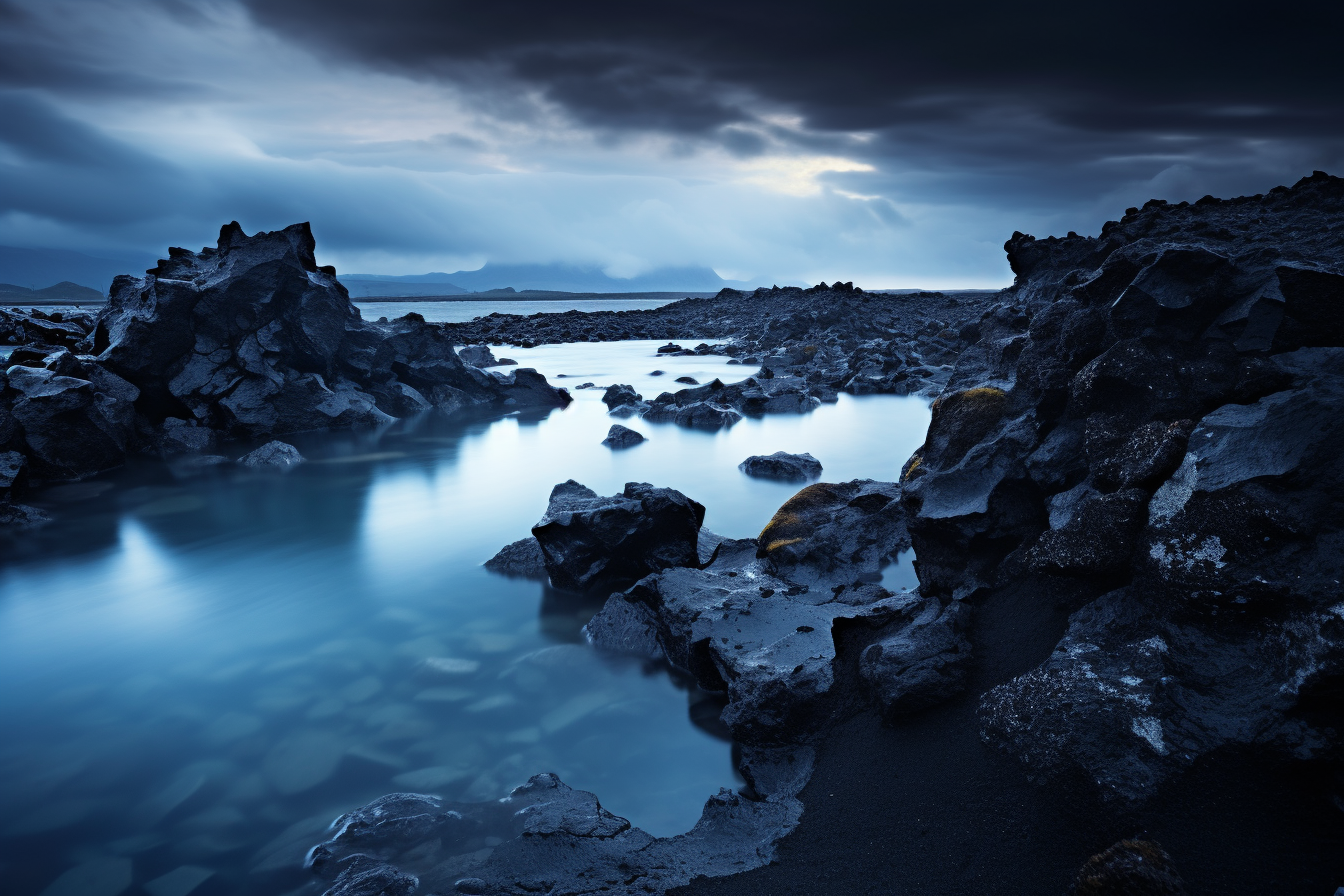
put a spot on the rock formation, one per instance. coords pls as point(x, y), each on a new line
point(249, 338)
point(1155, 413)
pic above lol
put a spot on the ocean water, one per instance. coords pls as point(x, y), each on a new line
point(200, 670)
point(463, 310)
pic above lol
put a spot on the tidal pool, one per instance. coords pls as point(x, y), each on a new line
point(201, 669)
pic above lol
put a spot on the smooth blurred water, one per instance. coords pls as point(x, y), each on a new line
point(200, 672)
point(459, 310)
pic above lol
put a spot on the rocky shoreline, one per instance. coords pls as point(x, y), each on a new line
point(1124, 515)
point(1134, 467)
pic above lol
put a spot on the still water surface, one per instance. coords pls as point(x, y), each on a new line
point(198, 672)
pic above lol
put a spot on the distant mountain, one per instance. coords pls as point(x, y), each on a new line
point(552, 277)
point(39, 268)
point(65, 291)
point(412, 286)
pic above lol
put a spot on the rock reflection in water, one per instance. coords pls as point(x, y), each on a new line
point(204, 665)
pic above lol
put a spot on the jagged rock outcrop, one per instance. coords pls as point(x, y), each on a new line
point(252, 337)
point(248, 338)
point(766, 621)
point(1156, 410)
point(597, 543)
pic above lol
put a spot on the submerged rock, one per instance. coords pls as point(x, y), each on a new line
point(622, 437)
point(782, 466)
point(273, 454)
point(596, 543)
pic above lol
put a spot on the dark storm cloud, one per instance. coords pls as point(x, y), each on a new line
point(52, 165)
point(692, 67)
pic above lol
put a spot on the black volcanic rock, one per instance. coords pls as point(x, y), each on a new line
point(1156, 411)
point(836, 531)
point(521, 559)
point(782, 466)
point(70, 425)
point(274, 454)
point(543, 837)
point(923, 662)
point(603, 544)
point(622, 437)
point(252, 337)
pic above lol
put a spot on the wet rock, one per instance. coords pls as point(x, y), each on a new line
point(621, 437)
point(1129, 868)
point(835, 531)
point(596, 543)
point(623, 401)
point(687, 380)
point(670, 348)
point(697, 415)
point(21, 516)
point(521, 559)
point(275, 454)
point(782, 466)
point(549, 838)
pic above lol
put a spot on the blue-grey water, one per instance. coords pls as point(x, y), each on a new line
point(459, 310)
point(198, 672)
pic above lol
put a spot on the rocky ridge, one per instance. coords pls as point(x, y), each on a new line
point(1158, 431)
point(247, 339)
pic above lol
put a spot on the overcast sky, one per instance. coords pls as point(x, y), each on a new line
point(894, 144)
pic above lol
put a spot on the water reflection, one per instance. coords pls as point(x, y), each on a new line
point(203, 666)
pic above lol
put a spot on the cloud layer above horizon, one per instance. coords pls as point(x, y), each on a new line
point(894, 145)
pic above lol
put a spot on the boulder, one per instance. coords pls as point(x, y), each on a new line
point(603, 544)
point(72, 427)
point(274, 454)
point(782, 466)
point(621, 437)
point(838, 531)
point(521, 559)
